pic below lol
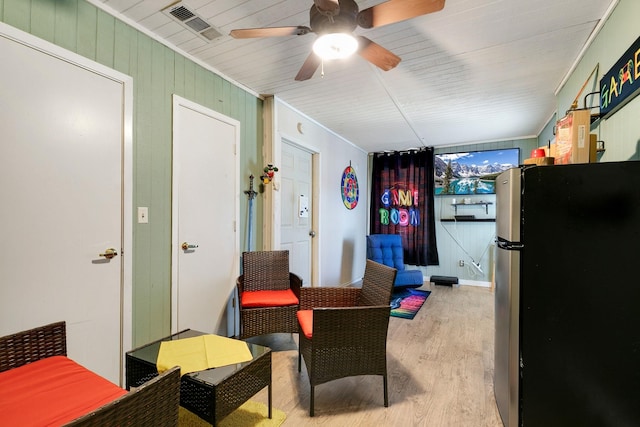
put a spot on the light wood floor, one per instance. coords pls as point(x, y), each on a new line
point(440, 371)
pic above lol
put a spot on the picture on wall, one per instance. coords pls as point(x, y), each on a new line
point(472, 172)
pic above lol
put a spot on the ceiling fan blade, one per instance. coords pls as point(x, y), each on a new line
point(376, 54)
point(309, 67)
point(248, 33)
point(393, 11)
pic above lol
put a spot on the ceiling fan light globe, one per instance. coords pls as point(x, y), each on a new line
point(335, 46)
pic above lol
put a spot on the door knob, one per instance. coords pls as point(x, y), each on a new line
point(185, 246)
point(109, 253)
point(312, 233)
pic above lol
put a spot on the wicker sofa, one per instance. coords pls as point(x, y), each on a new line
point(42, 394)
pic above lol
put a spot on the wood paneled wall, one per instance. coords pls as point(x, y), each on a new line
point(472, 237)
point(158, 72)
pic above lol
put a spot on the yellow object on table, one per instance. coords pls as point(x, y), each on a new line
point(200, 353)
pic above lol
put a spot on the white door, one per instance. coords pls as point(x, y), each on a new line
point(205, 210)
point(62, 202)
point(297, 207)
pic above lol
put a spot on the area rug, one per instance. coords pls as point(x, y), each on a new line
point(409, 300)
point(251, 414)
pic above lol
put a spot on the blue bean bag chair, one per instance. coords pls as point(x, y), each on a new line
point(387, 249)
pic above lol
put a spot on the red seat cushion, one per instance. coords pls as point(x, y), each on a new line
point(254, 299)
point(52, 392)
point(305, 320)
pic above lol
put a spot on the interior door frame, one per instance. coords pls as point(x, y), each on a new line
point(126, 237)
point(178, 101)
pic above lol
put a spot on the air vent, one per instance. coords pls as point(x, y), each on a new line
point(181, 13)
point(189, 19)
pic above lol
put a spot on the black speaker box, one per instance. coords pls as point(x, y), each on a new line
point(444, 280)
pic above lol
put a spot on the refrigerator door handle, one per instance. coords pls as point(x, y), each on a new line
point(509, 246)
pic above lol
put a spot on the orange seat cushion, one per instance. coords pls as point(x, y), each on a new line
point(52, 392)
point(255, 299)
point(305, 320)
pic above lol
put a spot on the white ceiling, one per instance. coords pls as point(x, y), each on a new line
point(477, 71)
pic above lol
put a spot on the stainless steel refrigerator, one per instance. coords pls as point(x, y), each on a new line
point(567, 313)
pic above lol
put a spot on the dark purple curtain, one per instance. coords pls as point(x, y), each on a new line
point(402, 202)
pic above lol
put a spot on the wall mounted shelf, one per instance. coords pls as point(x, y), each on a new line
point(468, 220)
point(485, 204)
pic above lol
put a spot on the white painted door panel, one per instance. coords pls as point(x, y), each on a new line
point(205, 199)
point(296, 180)
point(61, 192)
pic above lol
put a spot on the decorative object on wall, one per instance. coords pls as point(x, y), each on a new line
point(303, 206)
point(349, 188)
point(620, 85)
point(268, 174)
point(472, 172)
point(251, 194)
point(402, 202)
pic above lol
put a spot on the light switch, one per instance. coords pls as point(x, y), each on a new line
point(143, 215)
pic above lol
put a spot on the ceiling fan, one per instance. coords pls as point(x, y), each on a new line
point(343, 16)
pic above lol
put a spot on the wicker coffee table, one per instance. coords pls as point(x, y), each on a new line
point(211, 394)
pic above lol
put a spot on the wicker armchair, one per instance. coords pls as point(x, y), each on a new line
point(153, 404)
point(268, 294)
point(343, 331)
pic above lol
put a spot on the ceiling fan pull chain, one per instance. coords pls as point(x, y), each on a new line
point(322, 68)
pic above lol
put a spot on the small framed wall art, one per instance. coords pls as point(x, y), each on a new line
point(349, 188)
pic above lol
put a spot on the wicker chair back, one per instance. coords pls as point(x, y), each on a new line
point(266, 270)
point(377, 284)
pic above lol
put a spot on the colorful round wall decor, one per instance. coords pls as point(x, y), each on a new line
point(349, 187)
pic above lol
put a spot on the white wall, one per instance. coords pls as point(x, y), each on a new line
point(341, 232)
point(466, 241)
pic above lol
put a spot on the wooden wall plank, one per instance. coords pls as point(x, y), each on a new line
point(189, 80)
point(218, 94)
point(179, 70)
point(87, 29)
point(169, 65)
point(105, 33)
point(43, 19)
point(226, 91)
point(199, 85)
point(234, 108)
point(209, 96)
point(144, 293)
point(160, 144)
point(454, 239)
point(17, 14)
point(66, 21)
point(122, 47)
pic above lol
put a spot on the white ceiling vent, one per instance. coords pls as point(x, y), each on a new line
point(191, 20)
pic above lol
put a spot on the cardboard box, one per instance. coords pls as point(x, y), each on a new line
point(539, 161)
point(573, 140)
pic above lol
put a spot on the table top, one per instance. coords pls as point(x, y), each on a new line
point(213, 376)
